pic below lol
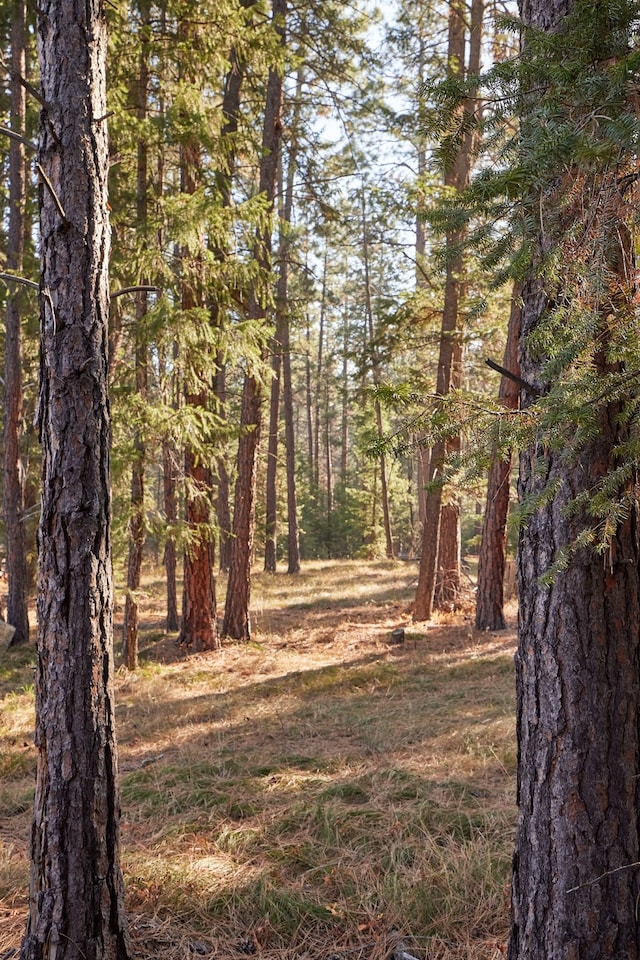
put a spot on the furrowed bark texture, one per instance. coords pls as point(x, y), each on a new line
point(76, 896)
point(575, 881)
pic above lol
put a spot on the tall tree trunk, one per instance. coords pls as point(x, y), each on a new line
point(328, 461)
point(199, 629)
point(320, 374)
point(576, 884)
point(236, 622)
point(281, 365)
point(309, 405)
point(375, 372)
point(137, 525)
point(450, 353)
point(223, 511)
point(76, 903)
point(491, 561)
point(13, 489)
point(231, 115)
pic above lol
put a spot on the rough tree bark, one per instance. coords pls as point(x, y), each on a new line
point(76, 903)
point(576, 883)
point(236, 623)
point(491, 560)
point(575, 880)
point(13, 488)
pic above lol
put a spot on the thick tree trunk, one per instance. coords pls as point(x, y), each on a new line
point(76, 905)
point(575, 881)
point(236, 622)
point(13, 488)
point(491, 560)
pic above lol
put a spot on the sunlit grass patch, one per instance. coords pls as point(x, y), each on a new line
point(320, 791)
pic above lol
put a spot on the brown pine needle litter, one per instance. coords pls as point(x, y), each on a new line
point(324, 792)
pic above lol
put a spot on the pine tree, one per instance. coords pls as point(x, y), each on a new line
point(76, 903)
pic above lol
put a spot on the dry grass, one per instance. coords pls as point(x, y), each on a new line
point(319, 792)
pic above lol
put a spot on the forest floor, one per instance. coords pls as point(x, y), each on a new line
point(321, 792)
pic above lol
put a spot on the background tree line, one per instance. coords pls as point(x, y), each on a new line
point(273, 283)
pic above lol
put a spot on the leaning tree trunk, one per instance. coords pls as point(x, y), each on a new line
point(491, 560)
point(236, 623)
point(76, 904)
point(13, 489)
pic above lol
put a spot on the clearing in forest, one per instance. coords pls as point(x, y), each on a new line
point(321, 791)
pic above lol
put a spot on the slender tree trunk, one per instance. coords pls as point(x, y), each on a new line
point(13, 489)
point(328, 460)
point(223, 512)
point(450, 354)
point(309, 406)
point(76, 904)
point(271, 511)
point(236, 622)
point(231, 114)
point(281, 365)
point(170, 559)
point(491, 560)
point(320, 374)
point(344, 424)
point(137, 525)
point(375, 371)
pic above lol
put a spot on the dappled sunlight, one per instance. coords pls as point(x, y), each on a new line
point(310, 786)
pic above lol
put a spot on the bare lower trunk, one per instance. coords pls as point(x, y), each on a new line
point(76, 904)
point(223, 513)
point(491, 560)
point(171, 515)
point(236, 622)
point(575, 880)
point(447, 589)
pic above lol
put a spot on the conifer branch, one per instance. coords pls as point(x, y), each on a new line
point(54, 195)
point(528, 387)
point(8, 132)
point(141, 289)
point(13, 278)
